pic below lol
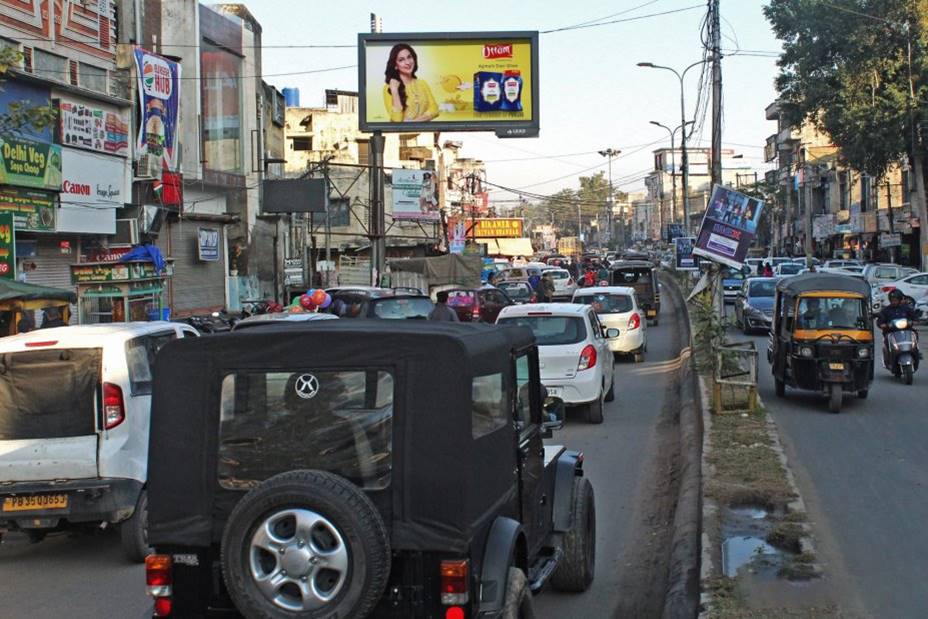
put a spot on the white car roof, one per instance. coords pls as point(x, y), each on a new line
point(586, 292)
point(555, 309)
point(85, 336)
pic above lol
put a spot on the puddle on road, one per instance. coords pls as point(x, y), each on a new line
point(748, 511)
point(740, 551)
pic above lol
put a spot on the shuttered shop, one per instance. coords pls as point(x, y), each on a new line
point(53, 268)
point(197, 286)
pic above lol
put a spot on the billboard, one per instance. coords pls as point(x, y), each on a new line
point(7, 247)
point(684, 260)
point(498, 227)
point(159, 102)
point(93, 126)
point(728, 226)
point(415, 195)
point(295, 195)
point(468, 81)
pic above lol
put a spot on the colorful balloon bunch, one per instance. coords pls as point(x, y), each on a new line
point(314, 299)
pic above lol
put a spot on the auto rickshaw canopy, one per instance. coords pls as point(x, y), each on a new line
point(819, 282)
point(18, 291)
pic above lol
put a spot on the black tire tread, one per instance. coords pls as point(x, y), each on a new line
point(594, 411)
point(610, 395)
point(573, 573)
point(132, 532)
point(340, 490)
point(518, 602)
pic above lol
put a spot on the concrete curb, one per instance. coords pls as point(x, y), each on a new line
point(710, 509)
point(683, 580)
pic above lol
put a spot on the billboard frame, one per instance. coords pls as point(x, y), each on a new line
point(502, 128)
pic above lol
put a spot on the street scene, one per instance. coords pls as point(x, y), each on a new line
point(310, 311)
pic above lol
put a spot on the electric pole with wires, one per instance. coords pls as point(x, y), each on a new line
point(715, 278)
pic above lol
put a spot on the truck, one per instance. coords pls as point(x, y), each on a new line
point(569, 246)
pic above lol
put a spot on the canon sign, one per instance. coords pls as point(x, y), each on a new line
point(497, 50)
point(79, 189)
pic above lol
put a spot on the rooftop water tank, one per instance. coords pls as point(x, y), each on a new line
point(292, 97)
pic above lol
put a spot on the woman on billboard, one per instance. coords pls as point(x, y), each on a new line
point(406, 97)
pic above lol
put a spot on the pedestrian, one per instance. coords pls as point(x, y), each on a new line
point(603, 274)
point(589, 278)
point(441, 312)
point(768, 270)
point(544, 291)
point(51, 318)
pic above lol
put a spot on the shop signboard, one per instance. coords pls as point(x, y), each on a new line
point(415, 195)
point(159, 98)
point(497, 228)
point(823, 226)
point(890, 240)
point(208, 244)
point(93, 126)
point(95, 180)
point(7, 247)
point(87, 272)
point(728, 227)
point(673, 231)
point(33, 210)
point(467, 81)
point(868, 222)
point(684, 260)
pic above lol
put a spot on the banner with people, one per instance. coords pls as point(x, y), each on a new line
point(415, 195)
point(728, 226)
point(159, 98)
point(684, 260)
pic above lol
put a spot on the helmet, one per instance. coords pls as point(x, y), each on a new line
point(896, 295)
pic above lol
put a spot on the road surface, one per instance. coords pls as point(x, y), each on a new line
point(863, 474)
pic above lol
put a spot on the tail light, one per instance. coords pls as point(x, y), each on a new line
point(158, 579)
point(888, 288)
point(587, 358)
point(634, 322)
point(454, 582)
point(533, 299)
point(114, 410)
point(475, 311)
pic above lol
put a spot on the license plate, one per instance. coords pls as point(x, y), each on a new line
point(835, 366)
point(30, 502)
point(554, 392)
point(652, 313)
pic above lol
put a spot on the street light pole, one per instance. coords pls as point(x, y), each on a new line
point(685, 157)
point(610, 203)
point(673, 162)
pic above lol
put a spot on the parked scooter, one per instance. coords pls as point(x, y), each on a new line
point(900, 349)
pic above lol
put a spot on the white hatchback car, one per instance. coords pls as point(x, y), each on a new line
point(576, 363)
point(564, 284)
point(617, 307)
point(75, 404)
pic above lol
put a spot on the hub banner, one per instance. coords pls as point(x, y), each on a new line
point(728, 227)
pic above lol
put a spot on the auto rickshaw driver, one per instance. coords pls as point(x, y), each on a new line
point(812, 317)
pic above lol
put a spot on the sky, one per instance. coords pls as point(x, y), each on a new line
point(593, 96)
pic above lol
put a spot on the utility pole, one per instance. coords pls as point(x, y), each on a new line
point(716, 93)
point(610, 200)
point(377, 223)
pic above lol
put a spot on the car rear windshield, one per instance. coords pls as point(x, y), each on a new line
point(336, 421)
point(791, 268)
point(624, 277)
point(557, 274)
point(457, 298)
point(762, 289)
point(403, 307)
point(49, 393)
point(516, 291)
point(607, 303)
point(551, 330)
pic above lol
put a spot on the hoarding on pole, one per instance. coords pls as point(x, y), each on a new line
point(728, 227)
point(468, 81)
point(684, 260)
point(7, 247)
point(415, 195)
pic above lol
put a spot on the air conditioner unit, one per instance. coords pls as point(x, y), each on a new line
point(127, 232)
point(148, 166)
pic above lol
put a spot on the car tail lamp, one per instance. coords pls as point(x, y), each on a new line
point(587, 358)
point(41, 344)
point(114, 410)
point(158, 580)
point(888, 288)
point(454, 582)
point(634, 322)
point(475, 311)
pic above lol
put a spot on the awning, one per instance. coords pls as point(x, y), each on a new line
point(508, 247)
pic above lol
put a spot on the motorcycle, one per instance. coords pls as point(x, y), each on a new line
point(900, 349)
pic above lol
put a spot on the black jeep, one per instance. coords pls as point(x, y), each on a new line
point(360, 468)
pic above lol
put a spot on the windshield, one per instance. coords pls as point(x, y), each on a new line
point(557, 274)
point(516, 291)
point(762, 289)
point(831, 313)
point(607, 303)
point(457, 298)
point(551, 330)
point(403, 307)
point(791, 268)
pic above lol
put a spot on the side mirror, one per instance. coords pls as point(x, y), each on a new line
point(612, 333)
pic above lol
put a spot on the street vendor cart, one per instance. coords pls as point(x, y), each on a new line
point(119, 291)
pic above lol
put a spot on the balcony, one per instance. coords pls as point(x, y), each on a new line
point(415, 153)
point(773, 111)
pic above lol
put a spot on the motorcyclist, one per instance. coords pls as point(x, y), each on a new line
point(895, 309)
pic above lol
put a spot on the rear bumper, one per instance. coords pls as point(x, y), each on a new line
point(757, 322)
point(583, 388)
point(89, 500)
point(628, 341)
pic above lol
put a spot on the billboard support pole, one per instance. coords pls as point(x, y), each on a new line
point(377, 223)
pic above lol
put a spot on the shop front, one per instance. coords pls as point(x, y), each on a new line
point(118, 292)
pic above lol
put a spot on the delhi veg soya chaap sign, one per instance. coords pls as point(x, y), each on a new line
point(28, 155)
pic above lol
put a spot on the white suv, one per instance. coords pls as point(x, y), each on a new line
point(576, 363)
point(74, 420)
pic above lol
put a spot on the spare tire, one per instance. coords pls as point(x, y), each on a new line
point(305, 544)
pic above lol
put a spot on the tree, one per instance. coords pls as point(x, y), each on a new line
point(561, 208)
point(858, 70)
